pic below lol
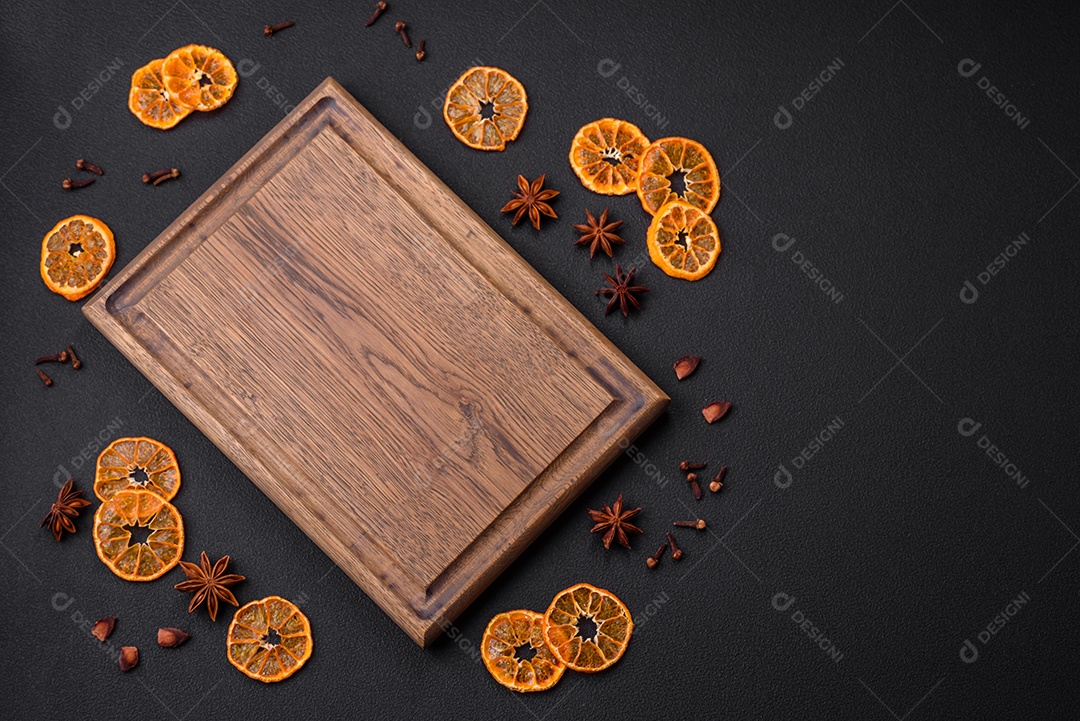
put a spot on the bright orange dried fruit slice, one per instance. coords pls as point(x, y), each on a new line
point(604, 610)
point(479, 90)
point(668, 156)
point(515, 654)
point(605, 155)
point(136, 463)
point(199, 77)
point(683, 241)
point(150, 102)
point(76, 255)
point(269, 639)
point(112, 537)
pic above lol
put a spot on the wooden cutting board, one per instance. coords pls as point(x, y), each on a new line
point(376, 359)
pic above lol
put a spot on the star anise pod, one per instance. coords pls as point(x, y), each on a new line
point(613, 523)
point(209, 584)
point(66, 508)
point(621, 292)
point(598, 234)
point(531, 199)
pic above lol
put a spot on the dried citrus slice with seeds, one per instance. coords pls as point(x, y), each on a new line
point(485, 108)
point(76, 255)
point(605, 155)
point(597, 647)
point(683, 241)
point(136, 463)
point(150, 102)
point(515, 654)
point(269, 640)
point(199, 77)
point(138, 561)
point(670, 159)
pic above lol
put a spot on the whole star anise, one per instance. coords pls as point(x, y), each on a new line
point(612, 521)
point(531, 199)
point(208, 584)
point(65, 508)
point(621, 292)
point(598, 234)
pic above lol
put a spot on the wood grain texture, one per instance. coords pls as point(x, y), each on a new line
point(376, 359)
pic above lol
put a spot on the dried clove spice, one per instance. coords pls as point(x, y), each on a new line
point(44, 378)
point(380, 8)
point(420, 52)
point(269, 30)
point(685, 466)
point(676, 552)
point(61, 357)
point(694, 485)
point(654, 559)
point(82, 164)
point(69, 184)
point(75, 362)
point(718, 482)
point(699, 524)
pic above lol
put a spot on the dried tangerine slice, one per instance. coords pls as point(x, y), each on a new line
point(683, 241)
point(139, 561)
point(477, 91)
point(603, 609)
point(605, 155)
point(269, 639)
point(136, 463)
point(515, 654)
point(76, 255)
point(668, 156)
point(150, 102)
point(199, 77)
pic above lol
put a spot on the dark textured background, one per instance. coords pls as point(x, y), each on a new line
point(899, 180)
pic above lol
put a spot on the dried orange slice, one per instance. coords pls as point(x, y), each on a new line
point(683, 241)
point(75, 256)
point(150, 102)
point(199, 77)
point(601, 608)
point(269, 640)
point(605, 155)
point(668, 156)
point(479, 90)
point(136, 463)
point(138, 561)
point(515, 654)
